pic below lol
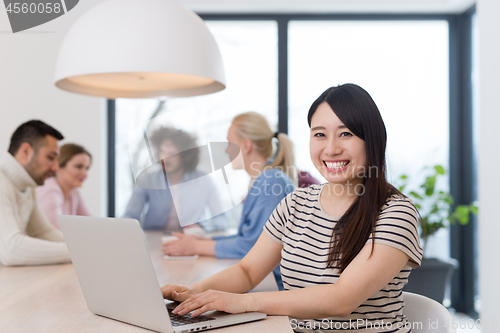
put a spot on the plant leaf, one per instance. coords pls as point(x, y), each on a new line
point(439, 169)
point(446, 197)
point(462, 214)
point(432, 228)
point(434, 209)
point(416, 195)
point(429, 184)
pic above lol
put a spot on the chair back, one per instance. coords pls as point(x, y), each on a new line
point(426, 315)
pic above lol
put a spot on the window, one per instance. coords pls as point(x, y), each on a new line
point(283, 62)
point(404, 67)
point(249, 52)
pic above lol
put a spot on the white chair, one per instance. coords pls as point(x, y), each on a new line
point(426, 315)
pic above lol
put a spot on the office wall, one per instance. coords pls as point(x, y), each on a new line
point(489, 161)
point(27, 91)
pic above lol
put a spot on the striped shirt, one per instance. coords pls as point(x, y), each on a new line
point(301, 226)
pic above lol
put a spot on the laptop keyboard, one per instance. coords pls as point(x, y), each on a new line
point(177, 320)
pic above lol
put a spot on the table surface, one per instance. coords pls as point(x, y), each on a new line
point(49, 299)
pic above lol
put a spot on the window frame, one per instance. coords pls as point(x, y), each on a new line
point(462, 168)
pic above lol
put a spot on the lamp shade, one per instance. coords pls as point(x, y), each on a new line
point(137, 49)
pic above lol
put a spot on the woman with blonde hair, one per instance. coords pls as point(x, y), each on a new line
point(271, 181)
point(346, 247)
point(254, 128)
point(59, 194)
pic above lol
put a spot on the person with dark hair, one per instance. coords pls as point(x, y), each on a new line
point(26, 237)
point(59, 194)
point(162, 208)
point(271, 181)
point(346, 247)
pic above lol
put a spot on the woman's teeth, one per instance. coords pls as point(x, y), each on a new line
point(336, 165)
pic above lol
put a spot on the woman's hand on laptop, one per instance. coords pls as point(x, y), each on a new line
point(175, 292)
point(214, 300)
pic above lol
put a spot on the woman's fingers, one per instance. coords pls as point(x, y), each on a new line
point(184, 246)
point(193, 302)
point(176, 293)
point(182, 295)
point(203, 309)
point(172, 248)
point(208, 301)
point(211, 300)
point(168, 248)
point(168, 289)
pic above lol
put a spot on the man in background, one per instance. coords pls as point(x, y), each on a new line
point(26, 237)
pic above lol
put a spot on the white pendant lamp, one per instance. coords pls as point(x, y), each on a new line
point(139, 49)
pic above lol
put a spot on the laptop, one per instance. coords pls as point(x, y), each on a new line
point(118, 280)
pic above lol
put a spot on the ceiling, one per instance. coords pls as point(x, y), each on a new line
point(328, 6)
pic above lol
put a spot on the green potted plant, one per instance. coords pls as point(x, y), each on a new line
point(436, 211)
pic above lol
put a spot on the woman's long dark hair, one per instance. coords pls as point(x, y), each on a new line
point(357, 110)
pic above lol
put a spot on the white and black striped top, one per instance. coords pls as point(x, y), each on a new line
point(304, 229)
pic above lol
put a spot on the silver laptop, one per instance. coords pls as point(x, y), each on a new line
point(118, 281)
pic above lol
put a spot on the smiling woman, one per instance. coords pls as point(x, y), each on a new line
point(59, 194)
point(329, 137)
point(345, 255)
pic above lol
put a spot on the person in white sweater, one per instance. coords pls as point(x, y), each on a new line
point(26, 237)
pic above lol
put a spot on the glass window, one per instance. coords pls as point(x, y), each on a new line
point(402, 64)
point(249, 52)
point(404, 67)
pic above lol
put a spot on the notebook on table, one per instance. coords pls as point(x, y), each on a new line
point(118, 280)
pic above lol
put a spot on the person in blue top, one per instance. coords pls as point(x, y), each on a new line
point(271, 181)
point(174, 192)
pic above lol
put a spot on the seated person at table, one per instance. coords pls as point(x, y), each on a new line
point(269, 185)
point(174, 193)
point(346, 247)
point(59, 194)
point(26, 237)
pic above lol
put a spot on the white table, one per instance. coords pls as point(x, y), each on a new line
point(48, 298)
